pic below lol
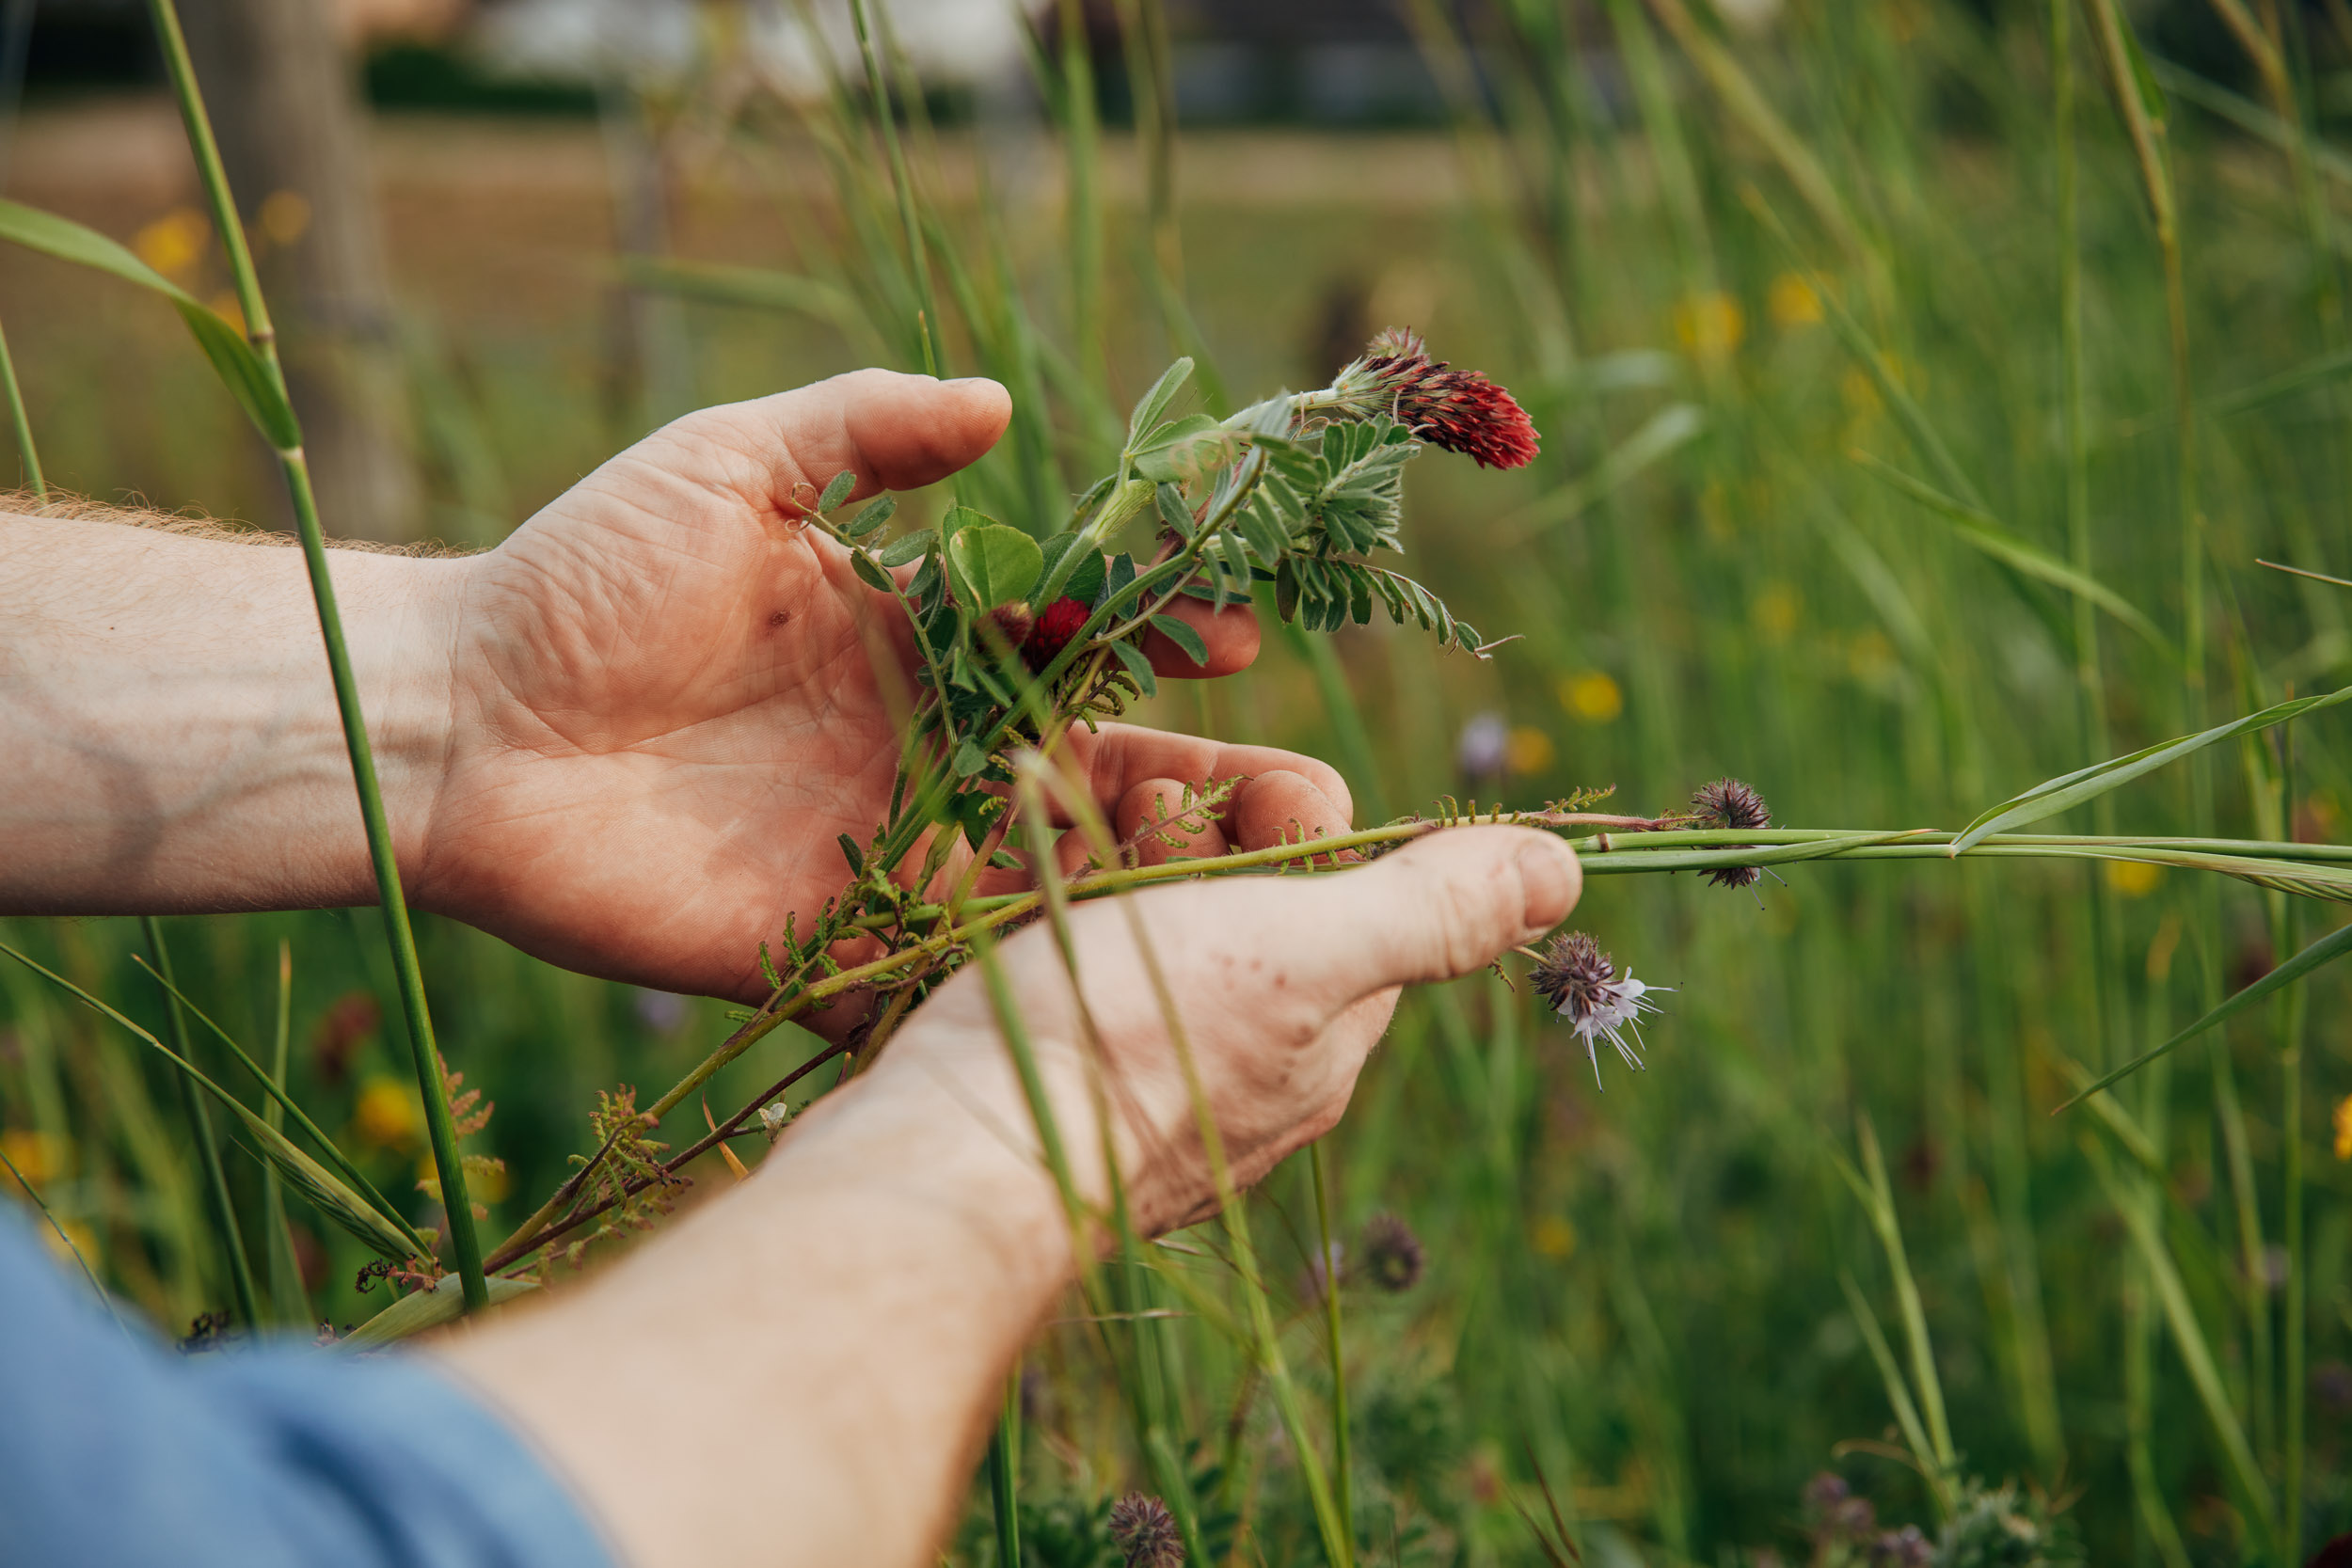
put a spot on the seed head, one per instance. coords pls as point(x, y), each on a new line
point(1459, 410)
point(1052, 630)
point(1583, 984)
point(1729, 803)
point(1145, 1532)
point(1392, 1255)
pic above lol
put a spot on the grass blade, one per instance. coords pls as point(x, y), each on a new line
point(21, 423)
point(424, 1055)
point(2325, 951)
point(207, 1144)
point(439, 1303)
point(2189, 1337)
point(285, 1267)
point(2069, 790)
point(1985, 532)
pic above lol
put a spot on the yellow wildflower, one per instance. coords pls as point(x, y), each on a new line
point(1792, 302)
point(2134, 879)
point(1591, 696)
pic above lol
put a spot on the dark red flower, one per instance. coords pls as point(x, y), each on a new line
point(1052, 631)
point(1459, 410)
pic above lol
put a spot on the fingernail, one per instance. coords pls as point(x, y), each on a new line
point(1547, 873)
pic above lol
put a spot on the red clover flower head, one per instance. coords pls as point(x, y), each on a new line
point(1145, 1532)
point(1729, 803)
point(1459, 410)
point(1054, 628)
point(1583, 984)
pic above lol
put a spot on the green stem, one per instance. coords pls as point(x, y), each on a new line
point(286, 1294)
point(207, 1143)
point(465, 1246)
point(22, 424)
point(1341, 1461)
point(903, 182)
point(1004, 1452)
point(2291, 1010)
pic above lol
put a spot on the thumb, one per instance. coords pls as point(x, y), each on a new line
point(1442, 906)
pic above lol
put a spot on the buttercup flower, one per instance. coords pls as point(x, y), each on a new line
point(1584, 987)
point(1459, 410)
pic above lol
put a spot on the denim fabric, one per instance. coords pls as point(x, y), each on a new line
point(116, 1451)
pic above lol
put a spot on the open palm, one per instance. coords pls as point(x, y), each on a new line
point(672, 696)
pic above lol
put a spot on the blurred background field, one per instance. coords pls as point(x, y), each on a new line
point(1683, 237)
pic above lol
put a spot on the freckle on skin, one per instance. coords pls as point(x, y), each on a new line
point(779, 618)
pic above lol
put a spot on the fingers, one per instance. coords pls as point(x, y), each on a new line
point(1281, 806)
point(895, 431)
point(1439, 909)
point(1197, 836)
point(1230, 634)
point(1116, 758)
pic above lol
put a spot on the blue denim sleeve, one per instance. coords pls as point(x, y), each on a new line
point(118, 1452)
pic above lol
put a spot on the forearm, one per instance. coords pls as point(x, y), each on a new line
point(804, 1372)
point(169, 730)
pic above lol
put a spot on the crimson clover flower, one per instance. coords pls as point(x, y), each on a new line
point(1459, 410)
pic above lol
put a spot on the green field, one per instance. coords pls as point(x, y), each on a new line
point(1816, 509)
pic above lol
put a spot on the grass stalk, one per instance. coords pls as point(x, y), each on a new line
point(21, 423)
point(2294, 1379)
point(465, 1244)
point(286, 1293)
point(1342, 1457)
point(64, 1241)
point(902, 187)
point(224, 1212)
point(1004, 1481)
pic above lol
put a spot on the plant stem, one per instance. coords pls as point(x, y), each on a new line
point(207, 1141)
point(1003, 1450)
point(918, 259)
point(1342, 1462)
point(286, 1294)
point(2291, 1010)
point(22, 424)
point(465, 1246)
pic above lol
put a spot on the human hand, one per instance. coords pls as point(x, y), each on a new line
point(671, 696)
point(1282, 986)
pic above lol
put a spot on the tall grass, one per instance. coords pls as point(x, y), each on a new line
point(2086, 319)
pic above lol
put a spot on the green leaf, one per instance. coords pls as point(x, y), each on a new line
point(1175, 451)
point(871, 516)
point(431, 1308)
point(850, 852)
point(993, 564)
point(1981, 531)
point(1155, 403)
point(232, 357)
point(1183, 636)
point(2334, 945)
point(970, 759)
point(2069, 790)
point(1139, 665)
point(907, 547)
point(837, 490)
point(1173, 512)
point(869, 571)
point(322, 1188)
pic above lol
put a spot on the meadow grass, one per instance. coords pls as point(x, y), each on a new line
point(1739, 281)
